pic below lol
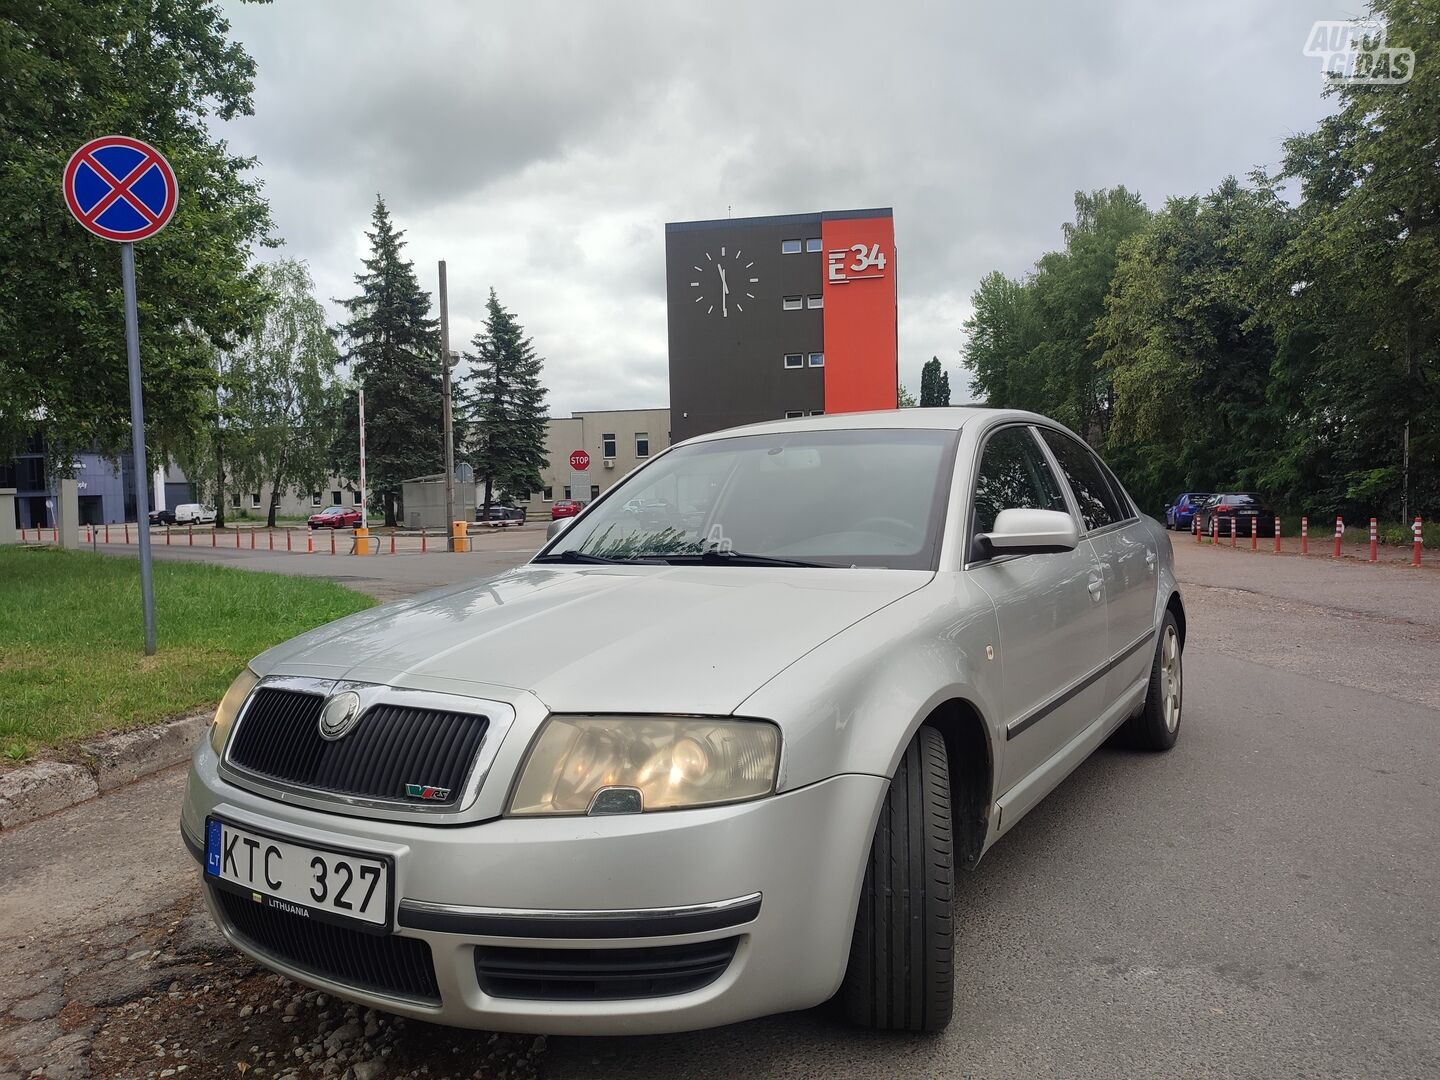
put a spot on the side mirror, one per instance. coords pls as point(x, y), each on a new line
point(1028, 532)
point(558, 526)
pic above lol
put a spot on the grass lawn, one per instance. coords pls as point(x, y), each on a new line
point(72, 659)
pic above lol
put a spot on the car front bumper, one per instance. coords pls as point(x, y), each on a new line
point(777, 878)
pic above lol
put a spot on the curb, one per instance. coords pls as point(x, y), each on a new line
point(33, 791)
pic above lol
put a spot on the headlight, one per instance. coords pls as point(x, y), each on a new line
point(672, 763)
point(229, 708)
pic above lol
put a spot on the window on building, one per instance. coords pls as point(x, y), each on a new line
point(794, 360)
point(794, 414)
point(817, 359)
point(355, 497)
point(567, 491)
point(608, 444)
point(235, 500)
point(254, 500)
point(548, 494)
point(813, 244)
point(789, 247)
point(315, 498)
point(594, 492)
point(815, 301)
point(334, 498)
point(642, 444)
point(791, 303)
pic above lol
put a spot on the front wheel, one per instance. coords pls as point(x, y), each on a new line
point(1157, 725)
point(901, 973)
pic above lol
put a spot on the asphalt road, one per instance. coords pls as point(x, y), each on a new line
point(1264, 901)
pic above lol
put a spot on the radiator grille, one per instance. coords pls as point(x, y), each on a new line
point(383, 964)
point(391, 747)
point(601, 974)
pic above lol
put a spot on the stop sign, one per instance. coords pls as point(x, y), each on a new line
point(579, 460)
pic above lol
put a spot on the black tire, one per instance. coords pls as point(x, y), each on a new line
point(901, 975)
point(1151, 728)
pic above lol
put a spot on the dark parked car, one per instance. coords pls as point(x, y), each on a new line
point(162, 517)
point(336, 517)
point(1181, 513)
point(563, 509)
point(1245, 508)
point(500, 516)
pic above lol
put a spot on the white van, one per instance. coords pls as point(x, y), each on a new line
point(194, 514)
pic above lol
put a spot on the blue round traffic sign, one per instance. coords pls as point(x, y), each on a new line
point(120, 188)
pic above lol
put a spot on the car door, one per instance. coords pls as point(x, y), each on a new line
point(1128, 552)
point(1050, 609)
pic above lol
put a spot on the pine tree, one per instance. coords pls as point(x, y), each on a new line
point(393, 349)
point(507, 405)
point(934, 384)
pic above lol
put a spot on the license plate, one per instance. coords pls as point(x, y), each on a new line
point(305, 881)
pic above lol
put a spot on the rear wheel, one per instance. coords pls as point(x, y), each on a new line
point(1157, 725)
point(901, 972)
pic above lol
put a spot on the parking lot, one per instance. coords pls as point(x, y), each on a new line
point(1262, 901)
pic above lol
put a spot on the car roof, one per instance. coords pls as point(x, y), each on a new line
point(948, 418)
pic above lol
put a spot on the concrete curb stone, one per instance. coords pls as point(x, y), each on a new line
point(44, 787)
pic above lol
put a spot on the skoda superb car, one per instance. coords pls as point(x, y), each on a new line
point(713, 761)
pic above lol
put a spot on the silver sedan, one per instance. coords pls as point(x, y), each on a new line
point(715, 760)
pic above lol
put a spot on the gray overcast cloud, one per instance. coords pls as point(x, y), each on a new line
point(541, 147)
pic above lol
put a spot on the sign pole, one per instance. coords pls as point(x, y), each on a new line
point(364, 510)
point(449, 458)
point(137, 434)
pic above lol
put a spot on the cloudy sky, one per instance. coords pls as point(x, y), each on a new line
point(540, 147)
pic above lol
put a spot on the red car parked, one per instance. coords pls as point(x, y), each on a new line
point(336, 517)
point(563, 509)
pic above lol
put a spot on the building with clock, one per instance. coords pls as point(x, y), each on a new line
point(773, 317)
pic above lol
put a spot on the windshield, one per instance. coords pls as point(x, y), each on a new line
point(859, 497)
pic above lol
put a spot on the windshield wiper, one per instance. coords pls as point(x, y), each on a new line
point(714, 557)
point(573, 556)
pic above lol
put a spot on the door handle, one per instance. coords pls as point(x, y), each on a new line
point(1150, 560)
point(1096, 587)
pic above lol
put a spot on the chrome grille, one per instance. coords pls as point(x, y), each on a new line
point(392, 748)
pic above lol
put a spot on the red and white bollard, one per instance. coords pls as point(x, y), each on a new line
point(1277, 535)
point(392, 543)
point(332, 541)
point(1339, 535)
point(287, 539)
point(1417, 531)
point(1254, 534)
point(310, 543)
point(1374, 541)
point(423, 539)
point(192, 535)
point(237, 539)
point(1305, 535)
point(1214, 530)
point(252, 539)
point(1232, 530)
point(1195, 527)
point(214, 536)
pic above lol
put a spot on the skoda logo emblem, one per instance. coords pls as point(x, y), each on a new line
point(339, 715)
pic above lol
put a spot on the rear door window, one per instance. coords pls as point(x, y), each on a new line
point(1099, 505)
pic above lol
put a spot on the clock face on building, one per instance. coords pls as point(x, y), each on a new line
point(724, 282)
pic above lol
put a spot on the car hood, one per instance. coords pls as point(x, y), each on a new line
point(636, 639)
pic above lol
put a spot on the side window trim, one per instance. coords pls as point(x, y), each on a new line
point(1061, 477)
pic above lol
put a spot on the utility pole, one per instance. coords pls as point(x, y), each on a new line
point(449, 419)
